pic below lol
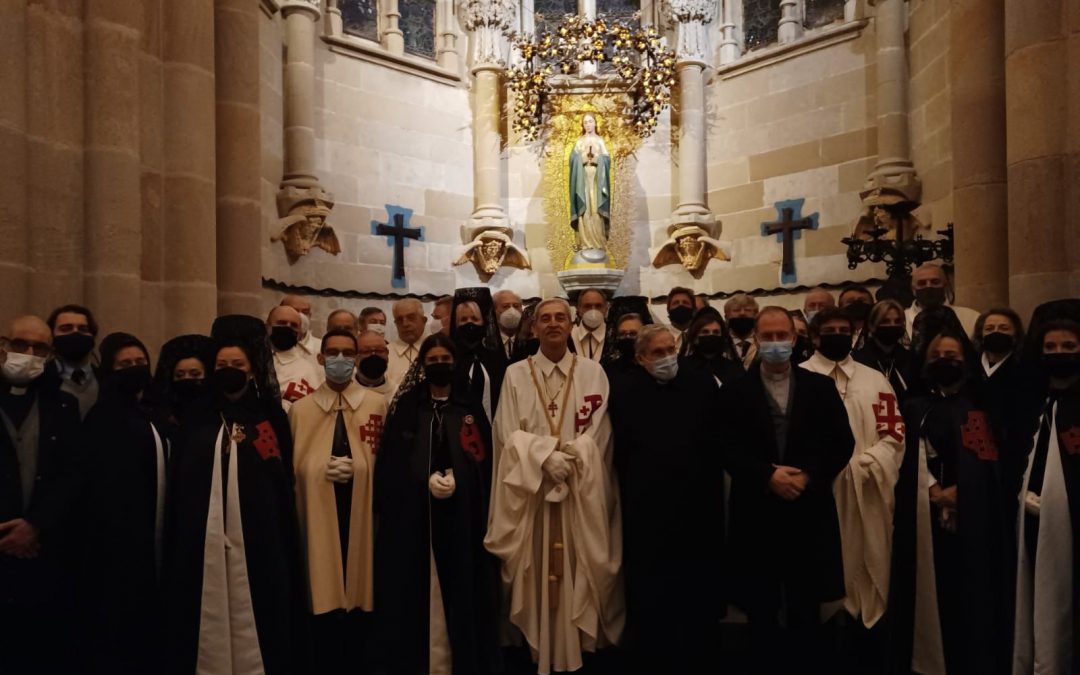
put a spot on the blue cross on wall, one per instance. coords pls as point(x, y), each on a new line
point(787, 230)
point(399, 233)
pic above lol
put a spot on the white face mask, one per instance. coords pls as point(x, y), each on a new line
point(592, 319)
point(666, 368)
point(305, 326)
point(510, 319)
point(20, 370)
point(377, 328)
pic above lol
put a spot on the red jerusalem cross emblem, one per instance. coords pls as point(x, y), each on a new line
point(1070, 440)
point(889, 421)
point(583, 418)
point(266, 444)
point(371, 433)
point(297, 390)
point(977, 437)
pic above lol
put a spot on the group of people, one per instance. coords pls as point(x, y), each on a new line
point(878, 488)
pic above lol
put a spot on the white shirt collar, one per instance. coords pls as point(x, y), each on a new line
point(990, 369)
point(400, 347)
point(819, 364)
point(326, 398)
point(546, 365)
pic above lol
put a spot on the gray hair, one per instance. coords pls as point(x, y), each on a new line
point(738, 301)
point(562, 301)
point(406, 304)
point(646, 334)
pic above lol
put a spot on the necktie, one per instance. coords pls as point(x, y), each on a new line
point(510, 348)
point(743, 347)
point(410, 354)
point(78, 376)
point(592, 346)
point(342, 491)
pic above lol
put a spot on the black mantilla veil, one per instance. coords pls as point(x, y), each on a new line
point(174, 351)
point(702, 318)
point(618, 307)
point(481, 295)
point(1055, 310)
point(414, 376)
point(930, 323)
point(249, 333)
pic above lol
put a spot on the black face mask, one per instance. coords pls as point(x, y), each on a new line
point(373, 367)
point(283, 338)
point(188, 391)
point(625, 347)
point(530, 346)
point(680, 315)
point(858, 310)
point(998, 343)
point(710, 346)
point(931, 296)
point(835, 346)
point(945, 373)
point(439, 374)
point(1061, 366)
point(889, 336)
point(73, 347)
point(741, 325)
point(471, 334)
point(230, 380)
point(131, 381)
point(803, 350)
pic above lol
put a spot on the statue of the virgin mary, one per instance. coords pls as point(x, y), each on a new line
point(590, 191)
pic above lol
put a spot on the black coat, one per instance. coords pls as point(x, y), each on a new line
point(271, 537)
point(120, 588)
point(494, 362)
point(44, 582)
point(773, 541)
point(721, 367)
point(412, 524)
point(668, 457)
point(974, 566)
point(898, 365)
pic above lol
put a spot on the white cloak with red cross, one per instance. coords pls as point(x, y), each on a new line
point(864, 490)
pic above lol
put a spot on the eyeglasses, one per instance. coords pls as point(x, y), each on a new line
point(347, 353)
point(20, 346)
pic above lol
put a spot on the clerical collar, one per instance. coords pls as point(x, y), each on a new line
point(546, 365)
point(776, 377)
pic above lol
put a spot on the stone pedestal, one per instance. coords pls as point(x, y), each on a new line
point(578, 279)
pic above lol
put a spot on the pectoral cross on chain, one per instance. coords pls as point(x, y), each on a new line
point(553, 408)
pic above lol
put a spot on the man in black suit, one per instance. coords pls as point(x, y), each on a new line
point(39, 485)
point(787, 438)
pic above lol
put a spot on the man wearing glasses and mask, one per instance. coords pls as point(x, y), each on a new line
point(38, 485)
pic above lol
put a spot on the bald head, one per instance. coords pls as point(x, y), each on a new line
point(284, 315)
point(30, 328)
point(298, 303)
point(409, 320)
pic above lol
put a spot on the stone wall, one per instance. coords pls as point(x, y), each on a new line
point(931, 112)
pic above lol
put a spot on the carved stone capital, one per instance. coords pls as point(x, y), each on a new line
point(488, 21)
point(489, 247)
point(692, 18)
point(302, 222)
point(692, 242)
point(311, 7)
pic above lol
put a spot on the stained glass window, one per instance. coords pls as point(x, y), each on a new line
point(418, 26)
point(547, 14)
point(360, 17)
point(823, 12)
point(760, 21)
point(619, 10)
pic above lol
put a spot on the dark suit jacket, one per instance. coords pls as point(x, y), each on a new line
point(57, 486)
point(774, 542)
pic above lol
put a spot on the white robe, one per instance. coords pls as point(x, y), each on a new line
point(296, 376)
point(865, 489)
point(579, 334)
point(1044, 612)
point(590, 611)
point(400, 360)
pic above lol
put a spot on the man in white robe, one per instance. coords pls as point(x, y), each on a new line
point(308, 343)
point(865, 489)
point(589, 332)
point(554, 521)
point(929, 283)
point(409, 321)
point(296, 374)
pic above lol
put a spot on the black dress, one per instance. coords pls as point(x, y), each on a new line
point(897, 364)
point(271, 535)
point(423, 436)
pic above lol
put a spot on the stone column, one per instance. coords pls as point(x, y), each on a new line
point(239, 150)
point(1036, 79)
point(392, 37)
point(980, 189)
point(692, 18)
point(790, 27)
point(894, 167)
point(189, 270)
point(446, 37)
point(334, 23)
point(14, 222)
point(54, 166)
point(486, 20)
point(112, 208)
point(152, 169)
point(729, 45)
point(299, 92)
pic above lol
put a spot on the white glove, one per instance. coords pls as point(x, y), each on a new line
point(339, 470)
point(557, 466)
point(1032, 503)
point(442, 486)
